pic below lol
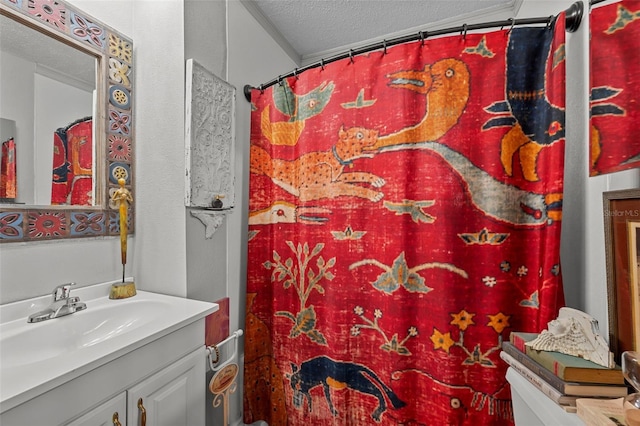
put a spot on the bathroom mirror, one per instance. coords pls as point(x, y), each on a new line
point(46, 85)
point(66, 80)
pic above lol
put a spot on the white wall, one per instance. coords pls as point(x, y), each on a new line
point(205, 41)
point(207, 259)
point(160, 252)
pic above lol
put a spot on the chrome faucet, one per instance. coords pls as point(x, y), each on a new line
point(62, 304)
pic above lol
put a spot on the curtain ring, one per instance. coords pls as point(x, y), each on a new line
point(295, 73)
point(551, 19)
point(322, 64)
point(384, 46)
point(261, 89)
point(423, 35)
point(513, 22)
point(280, 80)
point(351, 55)
point(463, 33)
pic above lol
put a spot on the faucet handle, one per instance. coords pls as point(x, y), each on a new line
point(62, 291)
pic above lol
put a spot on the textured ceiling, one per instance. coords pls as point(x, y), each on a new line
point(313, 28)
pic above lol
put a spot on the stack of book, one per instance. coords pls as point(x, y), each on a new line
point(563, 378)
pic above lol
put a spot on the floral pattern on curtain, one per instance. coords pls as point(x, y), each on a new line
point(615, 76)
point(405, 211)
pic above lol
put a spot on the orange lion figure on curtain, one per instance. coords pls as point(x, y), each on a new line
point(320, 174)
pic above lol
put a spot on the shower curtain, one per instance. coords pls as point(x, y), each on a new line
point(72, 181)
point(405, 211)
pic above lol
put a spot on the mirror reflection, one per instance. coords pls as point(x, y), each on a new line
point(47, 103)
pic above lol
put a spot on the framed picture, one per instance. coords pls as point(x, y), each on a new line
point(634, 273)
point(622, 243)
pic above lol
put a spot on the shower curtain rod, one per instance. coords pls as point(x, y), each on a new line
point(572, 22)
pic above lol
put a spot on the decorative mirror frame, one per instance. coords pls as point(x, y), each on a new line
point(114, 131)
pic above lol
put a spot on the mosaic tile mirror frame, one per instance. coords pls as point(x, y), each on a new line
point(113, 122)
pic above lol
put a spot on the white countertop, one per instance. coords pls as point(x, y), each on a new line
point(70, 346)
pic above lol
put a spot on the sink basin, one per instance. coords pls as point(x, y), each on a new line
point(37, 357)
point(23, 343)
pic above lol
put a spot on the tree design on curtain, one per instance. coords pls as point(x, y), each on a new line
point(405, 211)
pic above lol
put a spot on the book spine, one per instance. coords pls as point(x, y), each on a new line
point(549, 363)
point(518, 342)
point(535, 380)
point(546, 361)
point(546, 375)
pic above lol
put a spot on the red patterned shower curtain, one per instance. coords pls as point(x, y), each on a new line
point(615, 76)
point(405, 215)
point(8, 177)
point(72, 182)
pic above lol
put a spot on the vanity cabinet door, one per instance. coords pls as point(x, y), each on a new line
point(111, 413)
point(173, 396)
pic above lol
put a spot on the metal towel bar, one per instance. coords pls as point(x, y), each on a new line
point(216, 364)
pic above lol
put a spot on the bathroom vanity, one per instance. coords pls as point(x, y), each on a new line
point(134, 361)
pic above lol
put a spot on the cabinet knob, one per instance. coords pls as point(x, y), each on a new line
point(116, 422)
point(143, 413)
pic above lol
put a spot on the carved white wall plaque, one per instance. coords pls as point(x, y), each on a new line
point(210, 109)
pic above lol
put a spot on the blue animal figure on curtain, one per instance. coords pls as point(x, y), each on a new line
point(535, 122)
point(329, 373)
